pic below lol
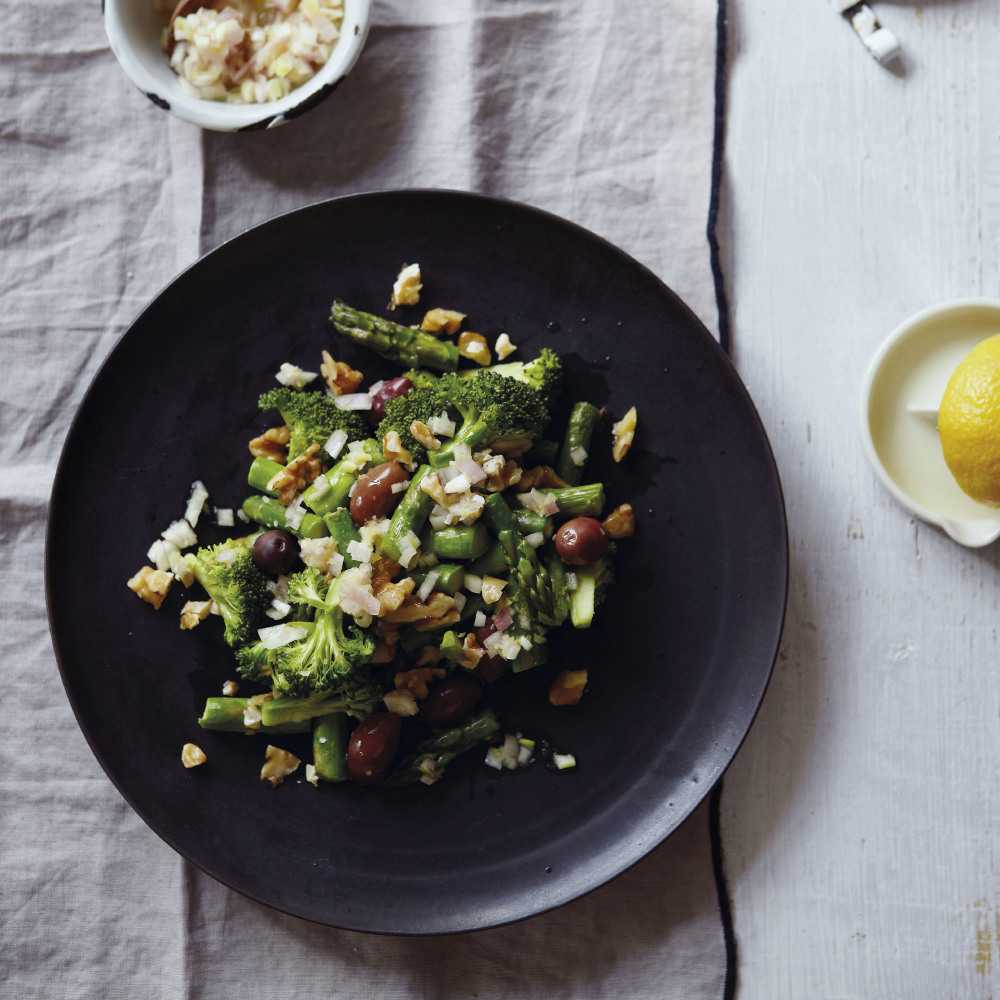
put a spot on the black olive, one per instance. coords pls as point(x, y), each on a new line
point(275, 551)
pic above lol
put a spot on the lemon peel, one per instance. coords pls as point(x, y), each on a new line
point(969, 422)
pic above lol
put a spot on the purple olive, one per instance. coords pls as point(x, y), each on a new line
point(581, 540)
point(450, 699)
point(372, 747)
point(275, 551)
point(374, 495)
point(389, 389)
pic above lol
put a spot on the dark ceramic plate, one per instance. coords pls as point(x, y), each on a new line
point(680, 656)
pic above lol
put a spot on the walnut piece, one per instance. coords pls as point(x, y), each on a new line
point(192, 755)
point(152, 585)
point(278, 765)
point(424, 435)
point(272, 444)
point(341, 379)
point(567, 688)
point(620, 523)
point(474, 347)
point(194, 613)
point(442, 321)
point(406, 288)
point(297, 474)
point(623, 433)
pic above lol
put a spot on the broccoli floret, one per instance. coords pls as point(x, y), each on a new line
point(592, 582)
point(423, 404)
point(332, 648)
point(312, 417)
point(421, 378)
point(495, 411)
point(238, 588)
point(544, 374)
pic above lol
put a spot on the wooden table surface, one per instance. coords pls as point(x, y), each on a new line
point(861, 819)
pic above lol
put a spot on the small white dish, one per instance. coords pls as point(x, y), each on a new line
point(900, 395)
point(135, 27)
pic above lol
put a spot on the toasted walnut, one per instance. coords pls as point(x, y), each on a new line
point(393, 450)
point(439, 610)
point(623, 433)
point(428, 655)
point(340, 378)
point(425, 435)
point(417, 681)
point(192, 755)
point(272, 444)
point(432, 486)
point(492, 589)
point(297, 474)
point(474, 347)
point(152, 585)
point(194, 612)
point(620, 523)
point(472, 650)
point(384, 571)
point(406, 288)
point(541, 477)
point(567, 688)
point(400, 702)
point(501, 474)
point(278, 765)
point(442, 321)
point(391, 595)
point(230, 688)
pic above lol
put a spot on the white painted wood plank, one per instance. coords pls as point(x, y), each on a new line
point(861, 820)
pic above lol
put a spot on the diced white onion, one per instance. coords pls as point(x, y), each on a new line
point(335, 444)
point(458, 484)
point(353, 401)
point(578, 454)
point(292, 375)
point(181, 534)
point(224, 517)
point(535, 539)
point(276, 636)
point(196, 502)
point(427, 586)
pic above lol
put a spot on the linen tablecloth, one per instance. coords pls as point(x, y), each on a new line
point(604, 113)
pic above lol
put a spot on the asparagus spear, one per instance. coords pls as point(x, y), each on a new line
point(272, 514)
point(407, 347)
point(225, 714)
point(430, 758)
point(410, 515)
point(330, 737)
point(583, 420)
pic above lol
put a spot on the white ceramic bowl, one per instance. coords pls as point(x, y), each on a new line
point(134, 29)
point(899, 401)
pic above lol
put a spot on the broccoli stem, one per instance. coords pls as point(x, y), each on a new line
point(272, 514)
point(407, 347)
point(450, 578)
point(262, 471)
point(286, 709)
point(225, 714)
point(344, 531)
point(410, 515)
point(583, 420)
point(578, 501)
point(434, 754)
point(457, 541)
point(330, 736)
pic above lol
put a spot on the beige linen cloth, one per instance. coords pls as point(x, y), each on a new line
point(599, 111)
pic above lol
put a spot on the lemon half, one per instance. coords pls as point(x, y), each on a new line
point(969, 422)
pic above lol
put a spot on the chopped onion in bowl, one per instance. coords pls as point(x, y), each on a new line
point(254, 52)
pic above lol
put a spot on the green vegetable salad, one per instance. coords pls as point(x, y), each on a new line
point(406, 544)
